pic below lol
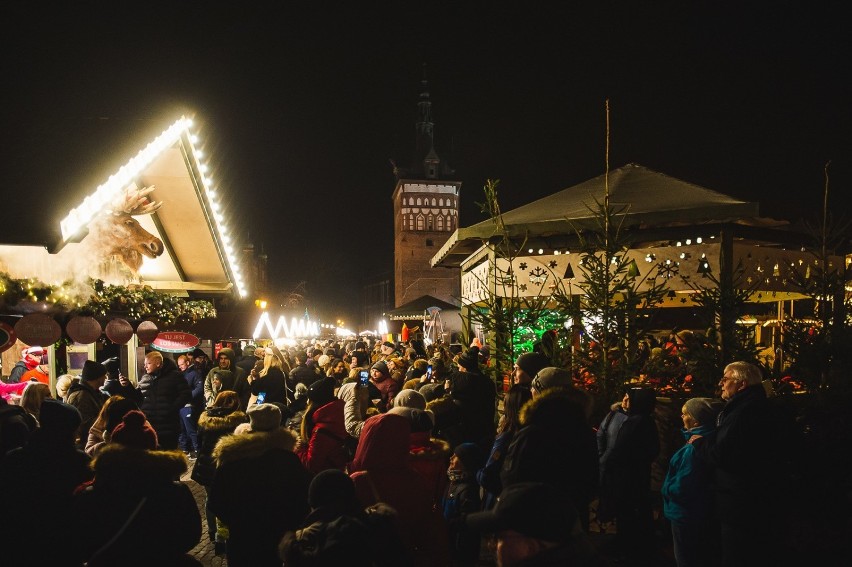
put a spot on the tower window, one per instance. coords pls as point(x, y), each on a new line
point(430, 223)
point(429, 242)
point(439, 224)
point(418, 201)
point(421, 222)
point(434, 202)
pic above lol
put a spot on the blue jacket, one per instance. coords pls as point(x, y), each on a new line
point(687, 490)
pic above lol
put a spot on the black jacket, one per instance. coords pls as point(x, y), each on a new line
point(163, 394)
point(272, 384)
point(260, 491)
point(213, 424)
point(554, 445)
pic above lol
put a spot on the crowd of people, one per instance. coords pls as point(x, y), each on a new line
point(377, 454)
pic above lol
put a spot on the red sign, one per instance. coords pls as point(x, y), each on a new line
point(175, 341)
point(7, 336)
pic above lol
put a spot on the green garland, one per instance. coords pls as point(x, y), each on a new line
point(98, 298)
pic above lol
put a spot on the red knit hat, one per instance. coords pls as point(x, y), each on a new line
point(135, 431)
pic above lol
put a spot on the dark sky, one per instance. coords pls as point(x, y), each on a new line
point(301, 105)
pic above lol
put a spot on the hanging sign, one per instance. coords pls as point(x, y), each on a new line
point(83, 330)
point(7, 336)
point(38, 329)
point(119, 331)
point(147, 331)
point(175, 341)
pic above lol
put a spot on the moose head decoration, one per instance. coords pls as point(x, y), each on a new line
point(116, 233)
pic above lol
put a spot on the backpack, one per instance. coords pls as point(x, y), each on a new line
point(348, 445)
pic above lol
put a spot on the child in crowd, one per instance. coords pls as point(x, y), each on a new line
point(462, 498)
point(687, 499)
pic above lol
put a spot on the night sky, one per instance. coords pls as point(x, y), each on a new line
point(300, 107)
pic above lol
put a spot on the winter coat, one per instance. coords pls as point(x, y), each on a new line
point(488, 476)
point(353, 417)
point(476, 395)
point(687, 497)
point(260, 491)
point(195, 380)
point(40, 479)
point(744, 450)
point(88, 402)
point(608, 433)
point(166, 525)
point(554, 445)
point(163, 394)
point(213, 424)
point(272, 384)
point(382, 473)
point(324, 449)
point(461, 499)
point(427, 455)
point(17, 371)
point(16, 425)
point(628, 474)
point(388, 390)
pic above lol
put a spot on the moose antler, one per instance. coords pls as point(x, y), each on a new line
point(135, 202)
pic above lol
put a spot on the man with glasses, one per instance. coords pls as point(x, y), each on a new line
point(744, 450)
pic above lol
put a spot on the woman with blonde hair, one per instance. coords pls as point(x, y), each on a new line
point(34, 394)
point(63, 384)
point(268, 385)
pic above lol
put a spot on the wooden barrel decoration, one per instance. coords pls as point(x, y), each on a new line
point(83, 330)
point(119, 331)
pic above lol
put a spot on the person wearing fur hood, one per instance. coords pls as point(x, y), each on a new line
point(556, 444)
point(135, 511)
point(260, 489)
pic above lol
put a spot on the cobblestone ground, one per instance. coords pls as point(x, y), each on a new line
point(204, 550)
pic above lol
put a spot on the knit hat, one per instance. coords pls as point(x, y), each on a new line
point(471, 455)
point(323, 360)
point(360, 345)
point(534, 509)
point(117, 410)
point(196, 352)
point(330, 487)
point(703, 410)
point(249, 350)
point(532, 363)
point(112, 366)
point(135, 431)
point(552, 377)
point(34, 351)
point(58, 416)
point(469, 360)
point(92, 370)
point(264, 417)
point(382, 367)
point(321, 392)
point(410, 399)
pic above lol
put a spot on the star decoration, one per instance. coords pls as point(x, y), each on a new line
point(522, 287)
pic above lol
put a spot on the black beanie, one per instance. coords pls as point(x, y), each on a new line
point(469, 360)
point(471, 456)
point(321, 392)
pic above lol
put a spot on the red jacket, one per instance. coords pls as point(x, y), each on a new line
point(325, 447)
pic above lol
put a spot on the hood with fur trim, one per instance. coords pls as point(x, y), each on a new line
point(556, 408)
point(424, 447)
point(252, 444)
point(211, 420)
point(127, 467)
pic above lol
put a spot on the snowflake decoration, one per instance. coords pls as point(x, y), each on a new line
point(538, 275)
point(668, 269)
point(523, 265)
point(552, 264)
point(522, 287)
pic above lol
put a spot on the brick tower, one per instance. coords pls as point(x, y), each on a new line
point(426, 212)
